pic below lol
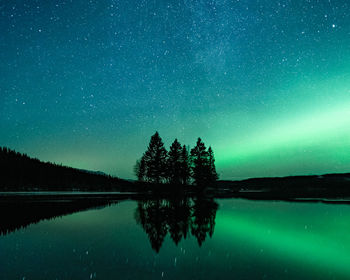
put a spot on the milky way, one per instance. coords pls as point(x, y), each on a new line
point(265, 83)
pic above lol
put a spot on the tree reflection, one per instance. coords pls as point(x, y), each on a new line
point(178, 217)
point(23, 211)
point(203, 219)
point(151, 215)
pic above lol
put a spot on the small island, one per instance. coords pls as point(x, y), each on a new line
point(162, 172)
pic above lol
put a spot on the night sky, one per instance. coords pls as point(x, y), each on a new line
point(265, 83)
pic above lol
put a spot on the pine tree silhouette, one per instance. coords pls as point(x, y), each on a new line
point(199, 163)
point(140, 169)
point(213, 176)
point(174, 163)
point(177, 166)
point(185, 166)
point(155, 160)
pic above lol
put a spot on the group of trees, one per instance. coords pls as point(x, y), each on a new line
point(178, 166)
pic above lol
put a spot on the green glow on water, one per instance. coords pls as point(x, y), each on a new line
point(250, 240)
point(323, 247)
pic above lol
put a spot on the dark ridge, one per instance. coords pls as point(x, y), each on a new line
point(313, 186)
point(19, 172)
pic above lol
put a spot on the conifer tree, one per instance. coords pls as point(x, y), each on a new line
point(213, 176)
point(174, 163)
point(185, 166)
point(155, 160)
point(140, 169)
point(199, 163)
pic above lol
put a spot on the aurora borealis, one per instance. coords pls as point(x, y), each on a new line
point(265, 83)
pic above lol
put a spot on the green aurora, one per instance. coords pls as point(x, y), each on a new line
point(266, 84)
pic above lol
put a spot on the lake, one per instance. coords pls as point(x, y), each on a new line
point(192, 238)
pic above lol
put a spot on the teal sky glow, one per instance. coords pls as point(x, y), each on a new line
point(265, 83)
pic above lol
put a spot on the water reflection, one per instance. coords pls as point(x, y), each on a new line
point(178, 217)
point(16, 215)
point(280, 240)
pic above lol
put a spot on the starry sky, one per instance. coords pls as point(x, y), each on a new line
point(265, 83)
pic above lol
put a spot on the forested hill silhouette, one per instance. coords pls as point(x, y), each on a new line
point(21, 172)
point(179, 169)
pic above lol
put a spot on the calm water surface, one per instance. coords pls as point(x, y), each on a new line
point(182, 239)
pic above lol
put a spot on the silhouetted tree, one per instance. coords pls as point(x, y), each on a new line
point(213, 176)
point(140, 169)
point(177, 166)
point(155, 160)
point(199, 163)
point(174, 163)
point(185, 166)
